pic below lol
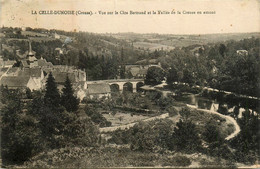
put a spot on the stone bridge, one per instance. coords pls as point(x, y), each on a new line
point(120, 85)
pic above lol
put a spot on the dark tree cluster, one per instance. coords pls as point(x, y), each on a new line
point(219, 66)
point(34, 121)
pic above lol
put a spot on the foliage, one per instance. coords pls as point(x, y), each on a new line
point(30, 128)
point(177, 161)
point(145, 136)
point(52, 96)
point(20, 134)
point(185, 138)
point(96, 117)
point(212, 134)
point(68, 100)
point(155, 75)
point(134, 100)
point(247, 141)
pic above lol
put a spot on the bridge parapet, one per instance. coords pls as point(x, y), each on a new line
point(120, 83)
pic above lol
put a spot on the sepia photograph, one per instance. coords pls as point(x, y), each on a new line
point(129, 83)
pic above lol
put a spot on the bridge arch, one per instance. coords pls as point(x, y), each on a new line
point(128, 87)
point(138, 86)
point(114, 88)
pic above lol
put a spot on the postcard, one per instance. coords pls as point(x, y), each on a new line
point(129, 83)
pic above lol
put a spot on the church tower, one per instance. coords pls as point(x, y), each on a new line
point(31, 57)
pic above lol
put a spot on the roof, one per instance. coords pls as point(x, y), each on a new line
point(14, 81)
point(33, 72)
point(153, 61)
point(24, 63)
point(9, 62)
point(64, 68)
point(147, 87)
point(135, 71)
point(98, 88)
point(12, 70)
point(60, 77)
point(162, 85)
point(43, 62)
point(32, 58)
point(2, 71)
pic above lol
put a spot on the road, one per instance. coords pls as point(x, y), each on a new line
point(162, 116)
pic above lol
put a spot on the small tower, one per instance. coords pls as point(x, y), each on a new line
point(31, 57)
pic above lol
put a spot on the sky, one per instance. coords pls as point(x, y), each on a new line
point(231, 16)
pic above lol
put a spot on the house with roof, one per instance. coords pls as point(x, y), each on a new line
point(43, 63)
point(24, 64)
point(14, 82)
point(80, 90)
point(8, 63)
point(36, 77)
point(3, 71)
point(136, 71)
point(13, 71)
point(98, 91)
point(60, 77)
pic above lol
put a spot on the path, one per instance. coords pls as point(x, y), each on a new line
point(237, 128)
point(127, 126)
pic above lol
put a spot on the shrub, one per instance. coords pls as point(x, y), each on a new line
point(182, 161)
point(96, 117)
point(145, 135)
point(185, 137)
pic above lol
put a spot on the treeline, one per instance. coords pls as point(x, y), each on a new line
point(218, 66)
point(33, 122)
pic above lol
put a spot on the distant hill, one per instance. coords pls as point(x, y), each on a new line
point(180, 40)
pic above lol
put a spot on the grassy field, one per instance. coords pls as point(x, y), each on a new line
point(152, 46)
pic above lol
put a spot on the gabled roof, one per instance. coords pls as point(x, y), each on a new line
point(9, 62)
point(12, 70)
point(32, 58)
point(33, 72)
point(60, 77)
point(24, 63)
point(98, 88)
point(2, 71)
point(43, 62)
point(138, 71)
point(14, 81)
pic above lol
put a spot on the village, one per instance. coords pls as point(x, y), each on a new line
point(82, 96)
point(32, 73)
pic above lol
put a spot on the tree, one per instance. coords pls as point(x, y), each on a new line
point(222, 50)
point(78, 131)
point(185, 137)
point(155, 75)
point(19, 136)
point(172, 75)
point(212, 134)
point(52, 96)
point(4, 94)
point(68, 100)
